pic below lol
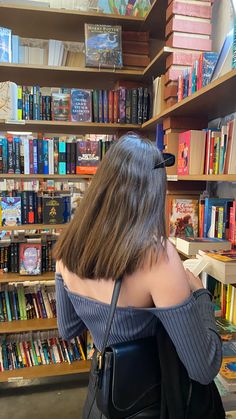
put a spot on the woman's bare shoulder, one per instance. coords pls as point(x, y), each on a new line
point(168, 281)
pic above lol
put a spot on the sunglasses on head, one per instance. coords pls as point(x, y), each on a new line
point(168, 160)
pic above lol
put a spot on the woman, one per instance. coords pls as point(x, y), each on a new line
point(119, 229)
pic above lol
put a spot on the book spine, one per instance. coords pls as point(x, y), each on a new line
point(134, 105)
point(19, 103)
point(128, 107)
point(68, 157)
point(10, 154)
point(62, 157)
point(95, 99)
point(35, 156)
point(45, 157)
point(105, 106)
point(116, 106)
point(111, 106)
point(140, 105)
point(31, 156)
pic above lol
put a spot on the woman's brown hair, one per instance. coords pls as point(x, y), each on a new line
point(120, 221)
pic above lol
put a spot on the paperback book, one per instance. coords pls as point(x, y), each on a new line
point(81, 105)
point(60, 106)
point(53, 210)
point(5, 45)
point(30, 259)
point(183, 218)
point(88, 157)
point(11, 211)
point(191, 245)
point(103, 46)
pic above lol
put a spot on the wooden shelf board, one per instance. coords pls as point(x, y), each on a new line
point(46, 371)
point(17, 326)
point(61, 24)
point(80, 77)
point(14, 277)
point(157, 65)
point(207, 102)
point(33, 177)
point(68, 127)
point(209, 178)
point(33, 227)
point(155, 20)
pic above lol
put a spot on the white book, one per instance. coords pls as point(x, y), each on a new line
point(26, 156)
point(51, 51)
point(51, 156)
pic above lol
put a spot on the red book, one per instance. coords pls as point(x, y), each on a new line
point(30, 258)
point(189, 41)
point(116, 106)
point(232, 224)
point(183, 24)
point(189, 9)
point(24, 344)
point(207, 153)
point(191, 152)
point(182, 58)
point(111, 106)
point(211, 156)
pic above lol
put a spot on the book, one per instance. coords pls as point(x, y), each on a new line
point(11, 211)
point(191, 152)
point(103, 46)
point(81, 105)
point(183, 218)
point(191, 245)
point(222, 57)
point(8, 101)
point(30, 259)
point(53, 210)
point(5, 45)
point(60, 106)
point(222, 265)
point(88, 157)
point(227, 373)
point(125, 8)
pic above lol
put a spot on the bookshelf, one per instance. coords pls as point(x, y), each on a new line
point(33, 227)
point(207, 178)
point(5, 278)
point(34, 177)
point(45, 371)
point(17, 326)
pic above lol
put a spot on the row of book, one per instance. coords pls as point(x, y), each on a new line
point(24, 302)
point(31, 256)
point(207, 217)
point(42, 348)
point(76, 105)
point(55, 155)
point(28, 207)
point(73, 186)
point(18, 50)
point(209, 152)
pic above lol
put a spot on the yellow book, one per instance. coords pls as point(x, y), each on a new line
point(19, 103)
point(228, 301)
point(234, 312)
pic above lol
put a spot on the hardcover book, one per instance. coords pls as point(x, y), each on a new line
point(11, 211)
point(53, 210)
point(60, 106)
point(103, 46)
point(183, 218)
point(30, 258)
point(191, 152)
point(5, 45)
point(88, 157)
point(81, 105)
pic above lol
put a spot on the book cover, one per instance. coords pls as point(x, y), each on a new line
point(103, 46)
point(191, 152)
point(88, 157)
point(30, 259)
point(209, 60)
point(228, 369)
point(183, 218)
point(5, 45)
point(125, 7)
point(60, 106)
point(11, 211)
point(81, 105)
point(53, 210)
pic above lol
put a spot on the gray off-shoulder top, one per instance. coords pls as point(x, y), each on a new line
point(190, 325)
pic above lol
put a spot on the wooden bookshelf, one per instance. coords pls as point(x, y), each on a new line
point(15, 277)
point(208, 178)
point(157, 65)
point(80, 77)
point(45, 371)
point(205, 103)
point(33, 227)
point(34, 177)
point(18, 326)
point(66, 127)
point(155, 20)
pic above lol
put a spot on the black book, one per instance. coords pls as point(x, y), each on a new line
point(128, 107)
point(146, 104)
point(40, 157)
point(53, 210)
point(73, 158)
point(24, 207)
point(134, 106)
point(68, 158)
point(140, 105)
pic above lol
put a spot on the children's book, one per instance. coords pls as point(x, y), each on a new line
point(30, 258)
point(11, 211)
point(103, 46)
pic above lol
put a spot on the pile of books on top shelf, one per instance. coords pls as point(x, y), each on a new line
point(39, 348)
point(210, 151)
point(121, 105)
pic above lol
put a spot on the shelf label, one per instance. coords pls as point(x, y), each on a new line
point(21, 122)
point(14, 379)
point(173, 178)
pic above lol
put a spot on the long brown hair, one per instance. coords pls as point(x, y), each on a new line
point(120, 221)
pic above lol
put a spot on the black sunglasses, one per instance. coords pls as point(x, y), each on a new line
point(169, 160)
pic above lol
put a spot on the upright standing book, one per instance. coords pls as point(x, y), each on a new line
point(81, 105)
point(30, 258)
point(5, 45)
point(11, 211)
point(183, 218)
point(103, 46)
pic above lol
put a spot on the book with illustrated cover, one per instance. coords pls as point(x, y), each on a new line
point(191, 152)
point(61, 106)
point(30, 259)
point(226, 330)
point(53, 210)
point(5, 45)
point(11, 211)
point(125, 7)
point(183, 218)
point(81, 105)
point(103, 46)
point(227, 373)
point(88, 157)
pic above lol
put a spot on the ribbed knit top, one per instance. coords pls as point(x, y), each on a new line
point(190, 325)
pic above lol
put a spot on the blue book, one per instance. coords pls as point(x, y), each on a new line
point(35, 156)
point(62, 158)
point(15, 49)
point(160, 137)
point(9, 316)
point(5, 45)
point(81, 105)
point(209, 60)
point(226, 47)
point(15, 304)
point(4, 154)
point(209, 203)
point(45, 157)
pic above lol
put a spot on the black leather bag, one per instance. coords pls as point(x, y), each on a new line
point(128, 373)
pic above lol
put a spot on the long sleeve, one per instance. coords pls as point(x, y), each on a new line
point(192, 328)
point(69, 323)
